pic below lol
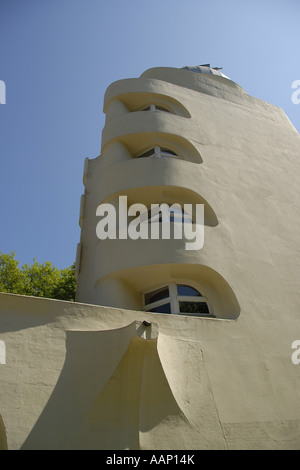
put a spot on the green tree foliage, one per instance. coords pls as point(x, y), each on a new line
point(38, 280)
point(65, 288)
point(11, 279)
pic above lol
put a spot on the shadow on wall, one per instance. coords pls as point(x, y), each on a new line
point(3, 439)
point(112, 388)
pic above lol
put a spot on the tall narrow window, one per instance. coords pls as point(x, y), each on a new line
point(179, 299)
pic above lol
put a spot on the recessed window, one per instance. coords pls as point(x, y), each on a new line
point(148, 153)
point(158, 152)
point(179, 299)
point(175, 215)
point(155, 107)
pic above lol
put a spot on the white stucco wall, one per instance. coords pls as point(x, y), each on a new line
point(85, 375)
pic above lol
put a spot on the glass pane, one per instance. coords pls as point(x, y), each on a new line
point(166, 308)
point(146, 154)
point(180, 217)
point(174, 215)
point(176, 211)
point(153, 217)
point(168, 152)
point(187, 218)
point(160, 108)
point(193, 307)
point(156, 295)
point(187, 290)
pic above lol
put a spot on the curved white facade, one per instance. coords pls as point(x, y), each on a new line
point(221, 138)
point(222, 371)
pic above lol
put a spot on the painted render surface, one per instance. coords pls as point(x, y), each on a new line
point(92, 377)
point(91, 374)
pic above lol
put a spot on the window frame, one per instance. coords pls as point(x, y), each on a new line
point(159, 152)
point(156, 217)
point(155, 107)
point(174, 298)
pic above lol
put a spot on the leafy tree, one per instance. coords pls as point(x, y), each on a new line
point(11, 279)
point(39, 280)
point(65, 288)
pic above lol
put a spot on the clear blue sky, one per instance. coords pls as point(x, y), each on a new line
point(59, 56)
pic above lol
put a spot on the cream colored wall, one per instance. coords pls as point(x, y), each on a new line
point(236, 149)
point(90, 377)
point(78, 375)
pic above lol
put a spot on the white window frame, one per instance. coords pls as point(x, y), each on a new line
point(174, 300)
point(159, 153)
point(153, 215)
point(155, 107)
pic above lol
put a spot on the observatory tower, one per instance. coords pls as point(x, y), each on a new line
point(168, 347)
point(168, 139)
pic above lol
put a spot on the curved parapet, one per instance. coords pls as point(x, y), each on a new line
point(133, 283)
point(129, 400)
point(132, 377)
point(187, 375)
point(156, 190)
point(133, 161)
point(134, 94)
point(211, 84)
point(136, 102)
point(133, 128)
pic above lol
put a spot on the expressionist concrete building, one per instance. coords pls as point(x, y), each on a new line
point(169, 348)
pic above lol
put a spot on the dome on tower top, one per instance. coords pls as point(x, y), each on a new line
point(206, 68)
